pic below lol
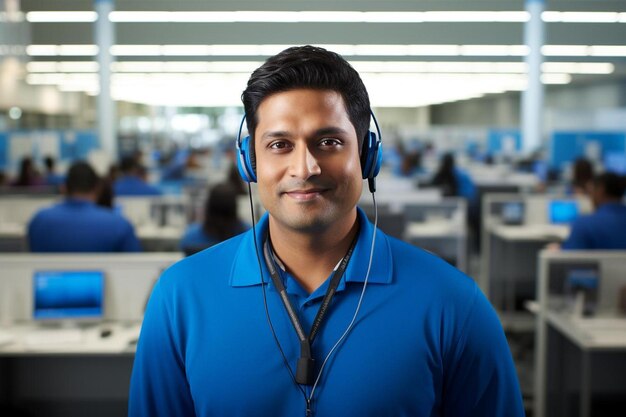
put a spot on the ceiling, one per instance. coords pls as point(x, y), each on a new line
point(207, 63)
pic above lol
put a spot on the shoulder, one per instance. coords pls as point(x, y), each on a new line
point(434, 278)
point(209, 265)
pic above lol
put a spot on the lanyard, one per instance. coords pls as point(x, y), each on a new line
point(306, 363)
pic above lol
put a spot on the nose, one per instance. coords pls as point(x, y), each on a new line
point(304, 164)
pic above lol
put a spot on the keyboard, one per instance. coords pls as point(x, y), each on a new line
point(52, 337)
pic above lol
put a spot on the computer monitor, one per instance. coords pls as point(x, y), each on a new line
point(513, 213)
point(68, 295)
point(562, 211)
point(615, 162)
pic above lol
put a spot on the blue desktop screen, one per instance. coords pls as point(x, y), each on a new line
point(68, 294)
point(615, 162)
point(562, 211)
point(513, 212)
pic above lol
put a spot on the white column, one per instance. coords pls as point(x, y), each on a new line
point(104, 34)
point(532, 97)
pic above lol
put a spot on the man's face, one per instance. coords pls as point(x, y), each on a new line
point(307, 160)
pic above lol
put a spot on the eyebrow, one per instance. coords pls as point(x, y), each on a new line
point(331, 130)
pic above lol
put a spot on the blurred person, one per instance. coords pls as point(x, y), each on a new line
point(77, 224)
point(605, 228)
point(27, 175)
point(130, 181)
point(50, 176)
point(582, 177)
point(454, 182)
point(220, 220)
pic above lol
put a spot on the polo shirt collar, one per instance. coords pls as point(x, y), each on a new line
point(245, 271)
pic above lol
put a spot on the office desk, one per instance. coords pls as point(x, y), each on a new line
point(156, 238)
point(577, 359)
point(580, 355)
point(90, 378)
point(444, 237)
point(512, 267)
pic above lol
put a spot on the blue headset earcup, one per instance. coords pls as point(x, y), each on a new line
point(371, 155)
point(244, 163)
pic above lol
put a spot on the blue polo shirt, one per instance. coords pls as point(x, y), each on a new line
point(132, 185)
point(426, 342)
point(80, 226)
point(603, 229)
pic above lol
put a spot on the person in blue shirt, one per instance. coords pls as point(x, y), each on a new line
point(315, 312)
point(603, 229)
point(220, 221)
point(77, 224)
point(130, 182)
point(51, 177)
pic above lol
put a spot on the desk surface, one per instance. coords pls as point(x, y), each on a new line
point(595, 333)
point(120, 340)
point(437, 229)
point(531, 232)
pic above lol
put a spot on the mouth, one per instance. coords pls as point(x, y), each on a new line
point(305, 194)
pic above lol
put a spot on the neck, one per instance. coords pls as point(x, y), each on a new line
point(311, 257)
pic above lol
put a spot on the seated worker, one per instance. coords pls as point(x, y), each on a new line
point(77, 224)
point(220, 221)
point(452, 180)
point(50, 176)
point(130, 182)
point(605, 228)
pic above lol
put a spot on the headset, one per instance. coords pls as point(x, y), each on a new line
point(371, 155)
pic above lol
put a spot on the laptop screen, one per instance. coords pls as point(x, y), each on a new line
point(562, 212)
point(68, 295)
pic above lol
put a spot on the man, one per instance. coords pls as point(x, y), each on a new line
point(603, 229)
point(77, 224)
point(131, 182)
point(217, 338)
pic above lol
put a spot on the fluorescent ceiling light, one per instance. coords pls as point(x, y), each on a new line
point(279, 16)
point(319, 16)
point(565, 50)
point(64, 66)
point(582, 17)
point(607, 50)
point(441, 67)
point(39, 17)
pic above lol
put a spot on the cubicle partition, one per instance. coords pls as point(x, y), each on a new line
point(86, 377)
point(516, 227)
point(580, 336)
point(425, 219)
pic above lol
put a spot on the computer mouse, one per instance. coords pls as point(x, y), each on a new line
point(105, 333)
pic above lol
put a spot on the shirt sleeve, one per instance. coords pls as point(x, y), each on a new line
point(480, 379)
point(159, 384)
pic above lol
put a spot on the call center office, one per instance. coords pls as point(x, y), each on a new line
point(504, 153)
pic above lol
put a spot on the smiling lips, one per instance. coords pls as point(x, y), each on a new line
point(305, 195)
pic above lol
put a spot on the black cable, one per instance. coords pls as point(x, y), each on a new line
point(267, 313)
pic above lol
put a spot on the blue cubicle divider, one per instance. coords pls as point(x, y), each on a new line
point(72, 144)
point(4, 146)
point(565, 147)
point(503, 141)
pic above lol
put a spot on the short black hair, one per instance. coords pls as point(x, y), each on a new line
point(81, 178)
point(128, 164)
point(614, 185)
point(313, 68)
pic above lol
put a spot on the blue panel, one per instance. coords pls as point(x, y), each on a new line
point(76, 145)
point(565, 147)
point(4, 150)
point(501, 141)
